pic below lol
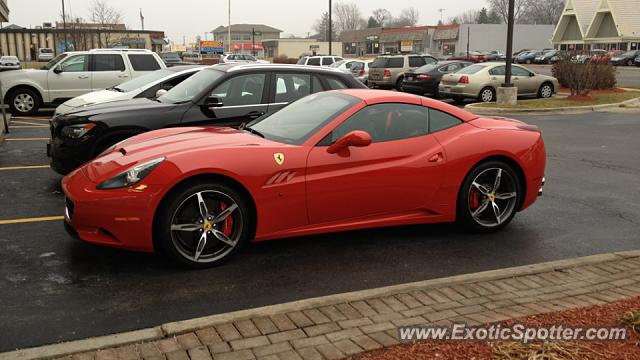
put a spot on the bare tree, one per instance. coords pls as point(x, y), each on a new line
point(382, 16)
point(107, 17)
point(544, 11)
point(467, 17)
point(348, 16)
point(502, 8)
point(321, 27)
point(408, 17)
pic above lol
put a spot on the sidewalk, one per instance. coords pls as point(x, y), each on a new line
point(337, 326)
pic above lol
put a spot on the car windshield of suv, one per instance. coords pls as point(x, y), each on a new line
point(191, 87)
point(301, 119)
point(470, 70)
point(140, 81)
point(54, 61)
point(379, 63)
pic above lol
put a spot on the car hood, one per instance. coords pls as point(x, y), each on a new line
point(140, 105)
point(167, 142)
point(97, 97)
point(21, 74)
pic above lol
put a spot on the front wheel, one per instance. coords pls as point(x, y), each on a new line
point(24, 102)
point(489, 197)
point(629, 62)
point(545, 91)
point(203, 225)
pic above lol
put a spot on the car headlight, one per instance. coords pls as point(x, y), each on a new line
point(77, 131)
point(131, 176)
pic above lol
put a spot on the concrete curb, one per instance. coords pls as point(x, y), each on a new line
point(474, 108)
point(175, 328)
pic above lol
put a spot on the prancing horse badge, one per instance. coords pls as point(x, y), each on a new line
point(279, 158)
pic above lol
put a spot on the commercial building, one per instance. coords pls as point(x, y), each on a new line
point(295, 48)
point(599, 24)
point(4, 11)
point(442, 40)
point(244, 36)
point(24, 42)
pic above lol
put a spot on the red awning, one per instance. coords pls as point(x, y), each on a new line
point(247, 46)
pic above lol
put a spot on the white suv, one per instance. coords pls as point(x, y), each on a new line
point(318, 60)
point(73, 74)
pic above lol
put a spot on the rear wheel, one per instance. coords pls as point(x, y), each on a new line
point(487, 95)
point(489, 197)
point(630, 62)
point(399, 83)
point(203, 224)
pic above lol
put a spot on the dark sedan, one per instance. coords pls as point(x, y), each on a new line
point(426, 79)
point(528, 57)
point(625, 58)
point(221, 95)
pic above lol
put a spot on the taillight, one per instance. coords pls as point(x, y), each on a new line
point(463, 80)
point(361, 73)
point(387, 73)
point(424, 76)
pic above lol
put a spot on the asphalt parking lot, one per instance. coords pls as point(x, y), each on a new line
point(54, 288)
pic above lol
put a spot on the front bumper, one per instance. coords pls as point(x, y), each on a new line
point(120, 218)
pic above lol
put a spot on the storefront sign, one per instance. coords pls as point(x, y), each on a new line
point(406, 46)
point(211, 47)
point(372, 38)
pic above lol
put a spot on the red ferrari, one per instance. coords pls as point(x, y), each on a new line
point(332, 161)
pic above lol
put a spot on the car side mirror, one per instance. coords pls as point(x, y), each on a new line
point(160, 92)
point(357, 138)
point(57, 69)
point(213, 101)
point(532, 74)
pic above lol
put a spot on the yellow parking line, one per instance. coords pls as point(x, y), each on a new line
point(28, 220)
point(28, 126)
point(26, 123)
point(24, 167)
point(30, 119)
point(25, 139)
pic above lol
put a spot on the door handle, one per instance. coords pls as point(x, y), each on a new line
point(436, 157)
point(83, 76)
point(254, 114)
point(494, 78)
point(123, 76)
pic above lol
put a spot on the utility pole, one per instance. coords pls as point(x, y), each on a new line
point(253, 41)
point(441, 11)
point(64, 26)
point(330, 28)
point(229, 27)
point(468, 39)
point(510, 20)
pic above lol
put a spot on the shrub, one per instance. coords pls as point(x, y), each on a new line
point(581, 78)
point(283, 59)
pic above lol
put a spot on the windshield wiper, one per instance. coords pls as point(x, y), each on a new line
point(251, 130)
point(117, 89)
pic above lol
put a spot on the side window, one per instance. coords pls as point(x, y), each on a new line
point(327, 60)
point(169, 84)
point(430, 60)
point(108, 62)
point(386, 122)
point(395, 62)
point(76, 63)
point(335, 84)
point(291, 87)
point(498, 71)
point(356, 66)
point(141, 62)
point(314, 61)
point(349, 65)
point(241, 90)
point(518, 71)
point(416, 61)
point(302, 60)
point(316, 85)
point(439, 120)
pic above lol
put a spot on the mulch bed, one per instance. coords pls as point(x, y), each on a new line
point(591, 93)
point(607, 315)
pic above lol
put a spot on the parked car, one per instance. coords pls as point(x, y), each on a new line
point(480, 81)
point(493, 55)
point(73, 74)
point(221, 95)
point(9, 63)
point(636, 61)
point(547, 56)
point(625, 58)
point(45, 54)
point(149, 86)
point(426, 79)
point(191, 56)
point(360, 70)
point(318, 60)
point(240, 58)
point(472, 56)
point(360, 159)
point(528, 57)
point(171, 58)
point(388, 71)
point(603, 56)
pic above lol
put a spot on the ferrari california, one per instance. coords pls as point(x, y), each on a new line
point(332, 161)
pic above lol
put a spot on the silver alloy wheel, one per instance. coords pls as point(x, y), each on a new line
point(198, 231)
point(492, 197)
point(546, 91)
point(487, 95)
point(24, 102)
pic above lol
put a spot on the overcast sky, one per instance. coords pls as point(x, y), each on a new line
point(191, 17)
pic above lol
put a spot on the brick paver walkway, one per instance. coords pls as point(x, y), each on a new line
point(334, 330)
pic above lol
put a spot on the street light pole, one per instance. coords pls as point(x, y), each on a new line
point(330, 29)
point(229, 27)
point(64, 26)
point(510, 21)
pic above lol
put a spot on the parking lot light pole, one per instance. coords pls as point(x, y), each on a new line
point(330, 29)
point(64, 26)
point(508, 94)
point(229, 27)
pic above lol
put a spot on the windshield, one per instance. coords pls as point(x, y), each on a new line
point(146, 79)
point(471, 69)
point(378, 63)
point(191, 87)
point(54, 61)
point(337, 63)
point(297, 122)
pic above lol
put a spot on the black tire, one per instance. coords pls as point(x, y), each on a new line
point(24, 101)
point(528, 61)
point(464, 212)
point(630, 62)
point(546, 90)
point(483, 96)
point(174, 245)
point(399, 83)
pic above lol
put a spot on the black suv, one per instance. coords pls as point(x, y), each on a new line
point(221, 95)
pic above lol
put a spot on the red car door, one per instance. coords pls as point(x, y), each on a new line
point(398, 173)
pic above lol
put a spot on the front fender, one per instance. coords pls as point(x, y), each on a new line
point(34, 79)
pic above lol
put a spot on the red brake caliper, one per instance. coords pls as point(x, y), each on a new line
point(227, 226)
point(474, 201)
